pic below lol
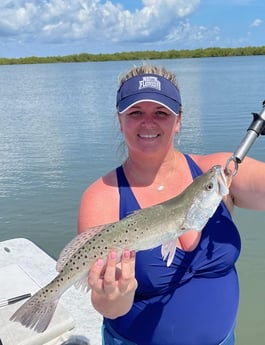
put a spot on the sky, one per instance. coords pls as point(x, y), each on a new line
point(64, 27)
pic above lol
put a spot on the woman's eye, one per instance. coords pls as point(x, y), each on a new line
point(161, 113)
point(135, 113)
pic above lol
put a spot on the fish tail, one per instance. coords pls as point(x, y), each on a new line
point(36, 313)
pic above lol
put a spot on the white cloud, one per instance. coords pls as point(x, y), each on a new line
point(85, 20)
point(185, 31)
point(256, 22)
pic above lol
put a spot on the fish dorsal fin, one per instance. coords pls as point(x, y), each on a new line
point(168, 250)
point(76, 243)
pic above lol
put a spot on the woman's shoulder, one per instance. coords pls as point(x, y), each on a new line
point(205, 162)
point(99, 202)
point(104, 184)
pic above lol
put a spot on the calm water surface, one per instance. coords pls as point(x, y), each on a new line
point(59, 133)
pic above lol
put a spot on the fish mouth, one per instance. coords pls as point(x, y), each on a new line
point(223, 182)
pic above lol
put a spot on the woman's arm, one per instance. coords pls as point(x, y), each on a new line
point(99, 203)
point(112, 285)
point(248, 186)
point(247, 189)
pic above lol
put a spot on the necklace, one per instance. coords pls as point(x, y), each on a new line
point(160, 187)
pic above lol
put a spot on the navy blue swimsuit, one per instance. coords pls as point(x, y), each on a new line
point(183, 304)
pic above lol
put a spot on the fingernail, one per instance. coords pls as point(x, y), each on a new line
point(113, 255)
point(100, 262)
point(126, 253)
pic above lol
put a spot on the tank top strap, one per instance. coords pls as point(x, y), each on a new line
point(128, 202)
point(194, 168)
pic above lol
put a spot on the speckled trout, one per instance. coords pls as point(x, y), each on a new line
point(144, 229)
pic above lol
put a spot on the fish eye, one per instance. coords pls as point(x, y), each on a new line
point(209, 186)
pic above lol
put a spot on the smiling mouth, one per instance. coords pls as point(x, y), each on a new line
point(148, 136)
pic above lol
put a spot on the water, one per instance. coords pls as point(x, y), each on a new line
point(59, 133)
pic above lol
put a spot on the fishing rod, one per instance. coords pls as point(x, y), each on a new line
point(256, 128)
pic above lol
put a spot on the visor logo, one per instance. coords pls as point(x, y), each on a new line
point(150, 81)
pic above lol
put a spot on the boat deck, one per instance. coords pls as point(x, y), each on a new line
point(24, 268)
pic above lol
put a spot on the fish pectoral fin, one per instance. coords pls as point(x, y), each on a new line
point(82, 283)
point(168, 250)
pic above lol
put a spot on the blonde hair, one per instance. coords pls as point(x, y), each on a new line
point(147, 68)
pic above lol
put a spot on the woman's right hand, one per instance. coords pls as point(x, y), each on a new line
point(113, 285)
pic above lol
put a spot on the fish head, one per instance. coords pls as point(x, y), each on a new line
point(209, 189)
point(221, 182)
point(213, 184)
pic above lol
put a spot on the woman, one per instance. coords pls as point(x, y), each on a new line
point(195, 300)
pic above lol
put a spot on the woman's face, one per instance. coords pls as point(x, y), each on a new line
point(149, 127)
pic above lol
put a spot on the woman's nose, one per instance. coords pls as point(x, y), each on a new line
point(148, 119)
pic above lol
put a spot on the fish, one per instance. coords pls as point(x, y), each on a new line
point(144, 229)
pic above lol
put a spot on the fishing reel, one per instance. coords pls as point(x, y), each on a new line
point(256, 128)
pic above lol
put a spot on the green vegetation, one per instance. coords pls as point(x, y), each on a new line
point(138, 55)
